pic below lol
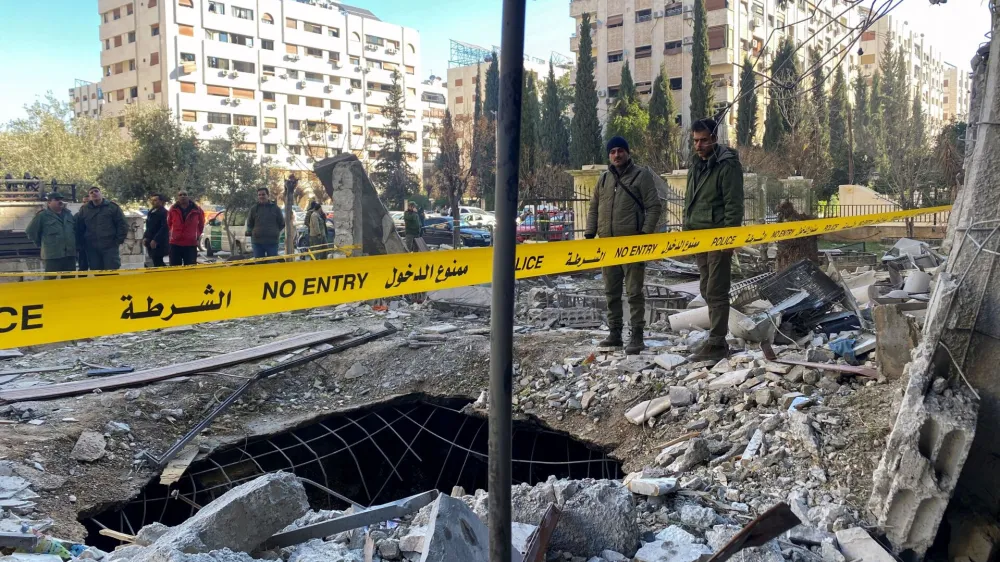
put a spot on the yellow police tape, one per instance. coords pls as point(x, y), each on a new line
point(67, 309)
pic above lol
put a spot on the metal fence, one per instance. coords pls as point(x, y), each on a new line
point(832, 211)
point(34, 189)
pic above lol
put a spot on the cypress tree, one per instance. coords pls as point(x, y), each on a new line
point(530, 157)
point(746, 117)
point(392, 171)
point(663, 134)
point(487, 175)
point(818, 122)
point(553, 133)
point(477, 118)
point(781, 107)
point(626, 90)
point(701, 75)
point(627, 118)
point(839, 146)
point(585, 129)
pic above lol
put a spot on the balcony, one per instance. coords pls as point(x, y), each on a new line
point(574, 43)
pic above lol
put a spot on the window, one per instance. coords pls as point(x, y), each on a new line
point(615, 56)
point(333, 56)
point(672, 47)
point(131, 65)
point(945, 99)
point(186, 3)
point(335, 104)
point(613, 91)
point(133, 92)
point(154, 29)
point(267, 44)
point(643, 15)
point(268, 96)
point(355, 107)
point(718, 37)
point(292, 23)
point(333, 31)
point(868, 36)
point(152, 4)
point(292, 99)
point(676, 83)
point(267, 70)
point(410, 70)
point(294, 124)
point(119, 67)
point(187, 87)
point(355, 83)
point(458, 82)
point(243, 13)
point(945, 82)
point(245, 120)
point(311, 52)
point(270, 149)
point(293, 74)
point(314, 77)
point(357, 130)
point(267, 18)
point(459, 99)
point(105, 16)
point(270, 122)
point(218, 91)
point(615, 21)
point(189, 115)
point(116, 14)
point(216, 8)
point(314, 102)
point(335, 80)
point(673, 9)
point(238, 39)
point(295, 150)
point(131, 37)
point(312, 27)
point(157, 87)
point(374, 40)
point(220, 118)
point(216, 62)
point(107, 44)
point(644, 52)
point(411, 91)
point(243, 94)
point(120, 94)
point(292, 49)
point(185, 30)
point(154, 59)
point(128, 9)
point(118, 40)
point(716, 5)
point(243, 66)
point(355, 60)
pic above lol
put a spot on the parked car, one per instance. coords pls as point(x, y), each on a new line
point(438, 230)
point(397, 219)
point(302, 237)
point(214, 237)
point(482, 219)
point(528, 230)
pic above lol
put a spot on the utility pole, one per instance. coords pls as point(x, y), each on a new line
point(290, 184)
point(850, 149)
point(502, 314)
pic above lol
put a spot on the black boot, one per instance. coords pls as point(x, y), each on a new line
point(614, 339)
point(635, 343)
point(710, 351)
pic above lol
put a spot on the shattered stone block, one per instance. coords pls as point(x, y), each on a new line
point(919, 469)
point(673, 544)
point(719, 535)
point(896, 335)
point(856, 544)
point(455, 534)
point(89, 447)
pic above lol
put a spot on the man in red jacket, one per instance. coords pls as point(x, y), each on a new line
point(185, 221)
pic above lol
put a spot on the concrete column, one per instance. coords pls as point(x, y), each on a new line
point(584, 182)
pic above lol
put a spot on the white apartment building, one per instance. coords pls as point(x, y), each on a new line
point(651, 34)
point(303, 78)
point(957, 89)
point(433, 104)
point(86, 99)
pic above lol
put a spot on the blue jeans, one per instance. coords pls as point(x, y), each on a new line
point(264, 250)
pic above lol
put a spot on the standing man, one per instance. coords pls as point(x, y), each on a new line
point(186, 221)
point(316, 230)
point(102, 227)
point(156, 237)
point(625, 203)
point(264, 225)
point(54, 231)
point(412, 226)
point(713, 199)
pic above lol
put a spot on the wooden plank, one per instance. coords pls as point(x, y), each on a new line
point(116, 535)
point(170, 371)
point(177, 465)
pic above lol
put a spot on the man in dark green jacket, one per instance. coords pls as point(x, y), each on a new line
point(412, 226)
point(625, 203)
point(264, 225)
point(101, 225)
point(54, 231)
point(714, 199)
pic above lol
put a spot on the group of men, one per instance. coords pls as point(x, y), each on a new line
point(91, 236)
point(625, 203)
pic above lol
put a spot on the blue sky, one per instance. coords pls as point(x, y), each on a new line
point(46, 44)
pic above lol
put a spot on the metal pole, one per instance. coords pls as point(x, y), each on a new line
point(502, 313)
point(850, 149)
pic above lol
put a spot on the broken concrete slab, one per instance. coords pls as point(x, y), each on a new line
point(648, 409)
point(857, 544)
point(697, 452)
point(672, 544)
point(896, 335)
point(266, 505)
point(720, 535)
point(698, 517)
point(317, 550)
point(89, 447)
point(669, 360)
point(651, 486)
point(808, 535)
point(455, 534)
point(681, 396)
point(728, 380)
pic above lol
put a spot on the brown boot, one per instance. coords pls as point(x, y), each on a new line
point(635, 343)
point(614, 339)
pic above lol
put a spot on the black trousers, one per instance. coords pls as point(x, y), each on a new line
point(157, 254)
point(183, 255)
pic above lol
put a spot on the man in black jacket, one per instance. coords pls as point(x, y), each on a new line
point(155, 238)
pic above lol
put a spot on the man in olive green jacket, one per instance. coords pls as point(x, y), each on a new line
point(714, 199)
point(625, 203)
point(53, 230)
point(101, 225)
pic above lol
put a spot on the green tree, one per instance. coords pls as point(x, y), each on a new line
point(585, 130)
point(49, 143)
point(627, 117)
point(746, 117)
point(231, 176)
point(486, 170)
point(531, 157)
point(166, 159)
point(840, 151)
point(663, 142)
point(949, 154)
point(701, 73)
point(393, 174)
point(818, 123)
point(453, 169)
point(553, 133)
point(784, 94)
point(477, 118)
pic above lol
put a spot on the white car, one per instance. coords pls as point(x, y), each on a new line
point(477, 217)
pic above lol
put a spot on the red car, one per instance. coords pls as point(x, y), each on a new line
point(528, 229)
